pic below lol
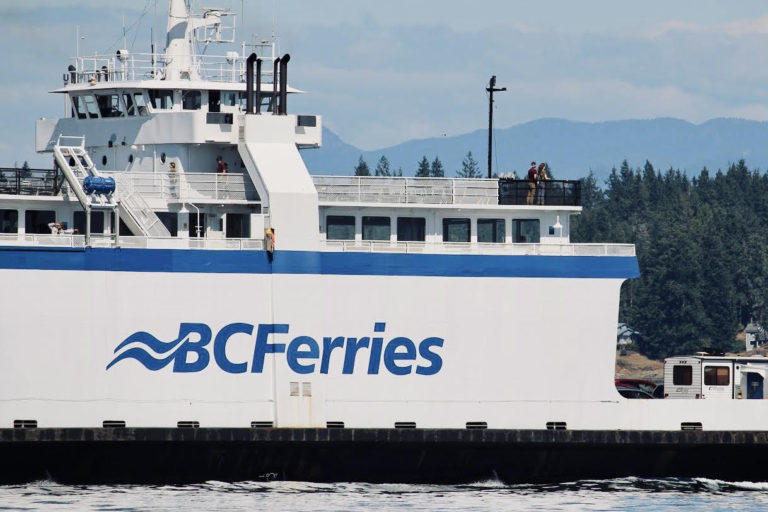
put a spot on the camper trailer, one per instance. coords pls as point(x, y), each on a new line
point(715, 377)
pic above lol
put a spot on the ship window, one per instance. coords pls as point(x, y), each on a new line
point(376, 228)
point(109, 105)
point(79, 109)
point(90, 106)
point(456, 230)
point(267, 103)
point(411, 229)
point(141, 105)
point(214, 101)
point(171, 221)
point(490, 231)
point(161, 99)
point(97, 222)
point(682, 375)
point(130, 108)
point(36, 221)
point(340, 227)
point(9, 221)
point(191, 100)
point(525, 231)
point(717, 376)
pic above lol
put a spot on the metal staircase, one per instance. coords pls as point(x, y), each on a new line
point(76, 165)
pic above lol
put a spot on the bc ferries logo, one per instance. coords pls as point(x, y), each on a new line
point(191, 351)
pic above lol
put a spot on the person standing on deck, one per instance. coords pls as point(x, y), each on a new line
point(531, 184)
point(541, 176)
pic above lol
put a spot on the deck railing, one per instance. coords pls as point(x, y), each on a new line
point(504, 191)
point(30, 182)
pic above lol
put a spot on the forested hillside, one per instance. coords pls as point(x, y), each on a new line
point(702, 246)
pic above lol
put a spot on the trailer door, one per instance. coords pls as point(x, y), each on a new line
point(717, 380)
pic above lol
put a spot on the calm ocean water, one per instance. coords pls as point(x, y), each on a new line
point(620, 494)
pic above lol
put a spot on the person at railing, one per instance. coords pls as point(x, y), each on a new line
point(541, 178)
point(531, 184)
point(56, 227)
point(220, 166)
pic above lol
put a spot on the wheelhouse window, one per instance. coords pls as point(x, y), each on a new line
point(456, 230)
point(9, 221)
point(140, 102)
point(490, 231)
point(109, 105)
point(526, 231)
point(717, 376)
point(130, 107)
point(376, 228)
point(84, 107)
point(682, 375)
point(340, 227)
point(162, 99)
point(79, 109)
point(411, 229)
point(191, 100)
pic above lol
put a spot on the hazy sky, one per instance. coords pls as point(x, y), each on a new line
point(384, 72)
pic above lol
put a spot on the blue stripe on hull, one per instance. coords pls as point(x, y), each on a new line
point(305, 262)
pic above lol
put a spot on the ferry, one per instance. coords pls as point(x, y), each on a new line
point(169, 315)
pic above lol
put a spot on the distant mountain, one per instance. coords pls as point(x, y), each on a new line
point(571, 148)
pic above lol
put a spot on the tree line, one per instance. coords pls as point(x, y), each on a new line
point(424, 168)
point(701, 247)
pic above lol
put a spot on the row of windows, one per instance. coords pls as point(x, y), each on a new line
point(682, 375)
point(413, 229)
point(237, 225)
point(93, 106)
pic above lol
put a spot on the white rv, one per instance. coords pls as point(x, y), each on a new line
point(715, 377)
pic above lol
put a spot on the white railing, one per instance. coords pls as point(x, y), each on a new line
point(375, 189)
point(145, 66)
point(186, 186)
point(139, 242)
point(623, 250)
point(64, 240)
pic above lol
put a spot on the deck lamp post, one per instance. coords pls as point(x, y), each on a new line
point(491, 89)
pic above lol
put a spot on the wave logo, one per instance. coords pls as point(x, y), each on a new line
point(189, 352)
point(156, 355)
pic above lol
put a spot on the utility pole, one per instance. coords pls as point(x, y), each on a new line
point(491, 89)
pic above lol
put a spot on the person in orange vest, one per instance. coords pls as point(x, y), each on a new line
point(269, 240)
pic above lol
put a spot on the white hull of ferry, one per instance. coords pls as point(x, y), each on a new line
point(510, 352)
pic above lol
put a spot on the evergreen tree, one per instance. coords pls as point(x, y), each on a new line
point(469, 168)
point(423, 170)
point(382, 168)
point(361, 169)
point(398, 172)
point(436, 170)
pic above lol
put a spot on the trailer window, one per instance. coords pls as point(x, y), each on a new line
point(682, 375)
point(717, 376)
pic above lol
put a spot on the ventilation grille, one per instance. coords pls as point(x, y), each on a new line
point(188, 424)
point(113, 424)
point(477, 425)
point(262, 424)
point(405, 424)
point(690, 425)
point(556, 425)
point(334, 424)
point(24, 423)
